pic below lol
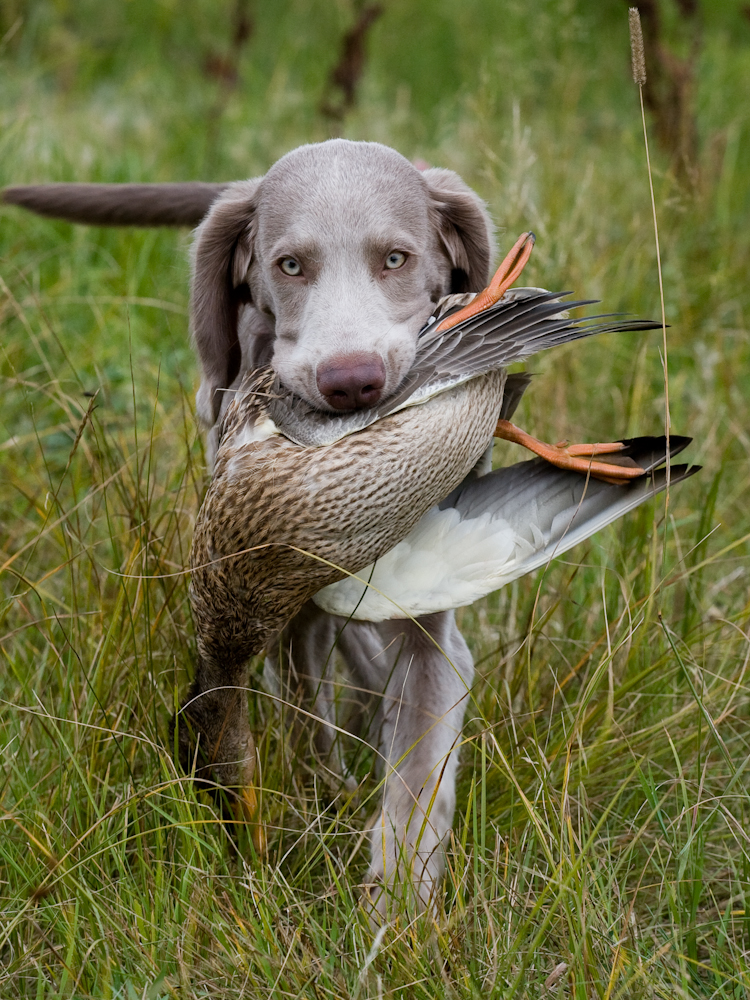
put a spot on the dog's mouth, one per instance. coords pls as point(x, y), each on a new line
point(319, 407)
point(363, 399)
point(339, 405)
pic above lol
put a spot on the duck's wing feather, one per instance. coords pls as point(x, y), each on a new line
point(495, 529)
point(510, 331)
point(516, 384)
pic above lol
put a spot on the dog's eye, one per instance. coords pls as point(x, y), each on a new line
point(395, 259)
point(290, 266)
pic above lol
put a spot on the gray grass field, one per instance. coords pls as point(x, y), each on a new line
point(604, 801)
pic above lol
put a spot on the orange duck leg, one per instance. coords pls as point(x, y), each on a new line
point(576, 457)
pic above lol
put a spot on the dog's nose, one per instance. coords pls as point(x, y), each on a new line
point(352, 381)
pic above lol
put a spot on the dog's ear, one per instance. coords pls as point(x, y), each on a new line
point(464, 228)
point(222, 252)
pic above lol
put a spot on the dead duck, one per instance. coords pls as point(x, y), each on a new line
point(383, 513)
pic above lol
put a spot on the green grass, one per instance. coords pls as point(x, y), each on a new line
point(603, 801)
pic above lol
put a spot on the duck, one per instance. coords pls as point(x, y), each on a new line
point(392, 512)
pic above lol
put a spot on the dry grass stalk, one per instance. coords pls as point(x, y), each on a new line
point(639, 77)
point(670, 92)
point(636, 47)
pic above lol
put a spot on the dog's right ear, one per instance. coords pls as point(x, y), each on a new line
point(464, 228)
point(222, 252)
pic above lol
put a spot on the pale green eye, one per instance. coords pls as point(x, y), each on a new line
point(395, 260)
point(290, 266)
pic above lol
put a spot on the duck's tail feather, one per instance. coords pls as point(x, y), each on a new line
point(182, 204)
point(538, 500)
point(495, 529)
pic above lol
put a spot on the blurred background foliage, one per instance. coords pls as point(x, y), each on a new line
point(163, 69)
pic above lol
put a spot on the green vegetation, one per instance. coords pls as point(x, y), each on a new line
point(604, 806)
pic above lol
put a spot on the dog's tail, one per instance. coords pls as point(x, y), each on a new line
point(118, 204)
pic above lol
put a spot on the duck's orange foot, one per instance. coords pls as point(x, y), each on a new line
point(508, 272)
point(245, 809)
point(576, 457)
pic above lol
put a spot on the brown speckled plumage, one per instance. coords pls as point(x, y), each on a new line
point(269, 505)
point(271, 499)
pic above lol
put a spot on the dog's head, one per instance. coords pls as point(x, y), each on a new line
point(343, 247)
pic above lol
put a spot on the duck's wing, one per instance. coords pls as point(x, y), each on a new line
point(493, 530)
point(513, 330)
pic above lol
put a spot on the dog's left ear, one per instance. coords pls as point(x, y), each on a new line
point(222, 251)
point(464, 227)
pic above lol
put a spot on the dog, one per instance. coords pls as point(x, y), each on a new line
point(326, 268)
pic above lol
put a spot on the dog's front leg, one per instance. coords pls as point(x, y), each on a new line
point(422, 712)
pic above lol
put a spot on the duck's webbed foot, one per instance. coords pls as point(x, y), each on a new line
point(508, 272)
point(576, 457)
point(215, 745)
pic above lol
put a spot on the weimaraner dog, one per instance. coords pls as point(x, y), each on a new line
point(327, 268)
